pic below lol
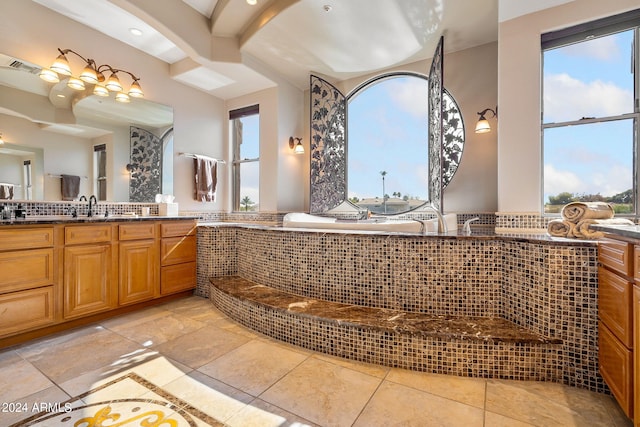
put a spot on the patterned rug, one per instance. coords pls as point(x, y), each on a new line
point(106, 406)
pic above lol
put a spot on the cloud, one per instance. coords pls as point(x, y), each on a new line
point(558, 181)
point(410, 96)
point(606, 181)
point(567, 98)
point(601, 48)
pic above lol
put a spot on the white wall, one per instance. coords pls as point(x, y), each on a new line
point(519, 97)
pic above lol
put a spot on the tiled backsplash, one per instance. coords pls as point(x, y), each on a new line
point(33, 208)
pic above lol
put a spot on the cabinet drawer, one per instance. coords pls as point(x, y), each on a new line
point(177, 228)
point(175, 250)
point(176, 278)
point(25, 269)
point(615, 305)
point(80, 234)
point(24, 310)
point(25, 238)
point(615, 363)
point(138, 231)
point(616, 255)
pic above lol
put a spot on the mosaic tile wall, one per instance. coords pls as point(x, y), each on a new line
point(453, 357)
point(62, 208)
point(549, 287)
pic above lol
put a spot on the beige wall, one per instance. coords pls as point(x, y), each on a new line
point(519, 97)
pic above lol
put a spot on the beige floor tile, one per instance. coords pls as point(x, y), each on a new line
point(262, 414)
point(216, 399)
point(199, 347)
point(546, 404)
point(470, 391)
point(136, 317)
point(377, 371)
point(395, 404)
point(149, 364)
point(19, 378)
point(159, 330)
point(492, 419)
point(254, 366)
point(323, 392)
point(79, 355)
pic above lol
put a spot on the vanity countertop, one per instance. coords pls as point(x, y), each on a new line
point(631, 231)
point(68, 219)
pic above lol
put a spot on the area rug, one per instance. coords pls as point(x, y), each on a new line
point(108, 406)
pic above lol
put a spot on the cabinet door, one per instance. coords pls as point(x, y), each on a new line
point(616, 367)
point(138, 271)
point(636, 352)
point(179, 277)
point(615, 306)
point(176, 250)
point(24, 310)
point(89, 274)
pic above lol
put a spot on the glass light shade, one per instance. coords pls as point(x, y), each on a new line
point(75, 84)
point(1, 140)
point(89, 75)
point(100, 90)
point(61, 66)
point(49, 76)
point(122, 97)
point(483, 126)
point(113, 84)
point(299, 148)
point(252, 2)
point(135, 90)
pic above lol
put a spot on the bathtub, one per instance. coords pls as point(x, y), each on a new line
point(304, 220)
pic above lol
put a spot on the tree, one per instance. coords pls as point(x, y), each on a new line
point(562, 198)
point(246, 202)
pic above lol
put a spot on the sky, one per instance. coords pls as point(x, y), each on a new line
point(387, 125)
point(589, 79)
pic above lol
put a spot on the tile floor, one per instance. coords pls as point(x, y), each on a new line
point(189, 363)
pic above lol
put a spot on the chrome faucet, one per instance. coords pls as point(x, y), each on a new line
point(442, 225)
point(92, 199)
point(466, 228)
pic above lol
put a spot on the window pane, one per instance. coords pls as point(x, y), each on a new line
point(589, 162)
point(589, 79)
point(387, 145)
point(250, 146)
point(249, 186)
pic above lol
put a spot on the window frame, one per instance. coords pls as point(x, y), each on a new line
point(583, 33)
point(236, 161)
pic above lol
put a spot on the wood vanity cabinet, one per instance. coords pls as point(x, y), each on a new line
point(178, 256)
point(90, 269)
point(27, 279)
point(139, 269)
point(616, 329)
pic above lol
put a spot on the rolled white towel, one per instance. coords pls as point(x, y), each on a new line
point(577, 211)
point(583, 230)
point(561, 228)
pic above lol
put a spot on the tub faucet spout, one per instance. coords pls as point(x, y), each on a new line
point(442, 225)
point(466, 228)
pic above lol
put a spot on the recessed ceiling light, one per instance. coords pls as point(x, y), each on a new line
point(135, 31)
point(327, 7)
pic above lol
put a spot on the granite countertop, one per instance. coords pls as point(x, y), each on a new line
point(632, 231)
point(68, 219)
point(479, 233)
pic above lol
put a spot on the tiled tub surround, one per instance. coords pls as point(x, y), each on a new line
point(546, 285)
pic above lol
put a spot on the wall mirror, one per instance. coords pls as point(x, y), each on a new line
point(65, 127)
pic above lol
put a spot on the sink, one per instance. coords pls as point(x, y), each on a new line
point(431, 225)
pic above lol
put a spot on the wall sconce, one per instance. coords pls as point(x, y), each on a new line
point(92, 74)
point(297, 148)
point(1, 140)
point(483, 124)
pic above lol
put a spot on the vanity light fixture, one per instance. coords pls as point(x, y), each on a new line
point(483, 125)
point(1, 140)
point(297, 148)
point(92, 74)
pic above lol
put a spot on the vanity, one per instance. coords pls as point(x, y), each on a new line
point(619, 315)
point(62, 272)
